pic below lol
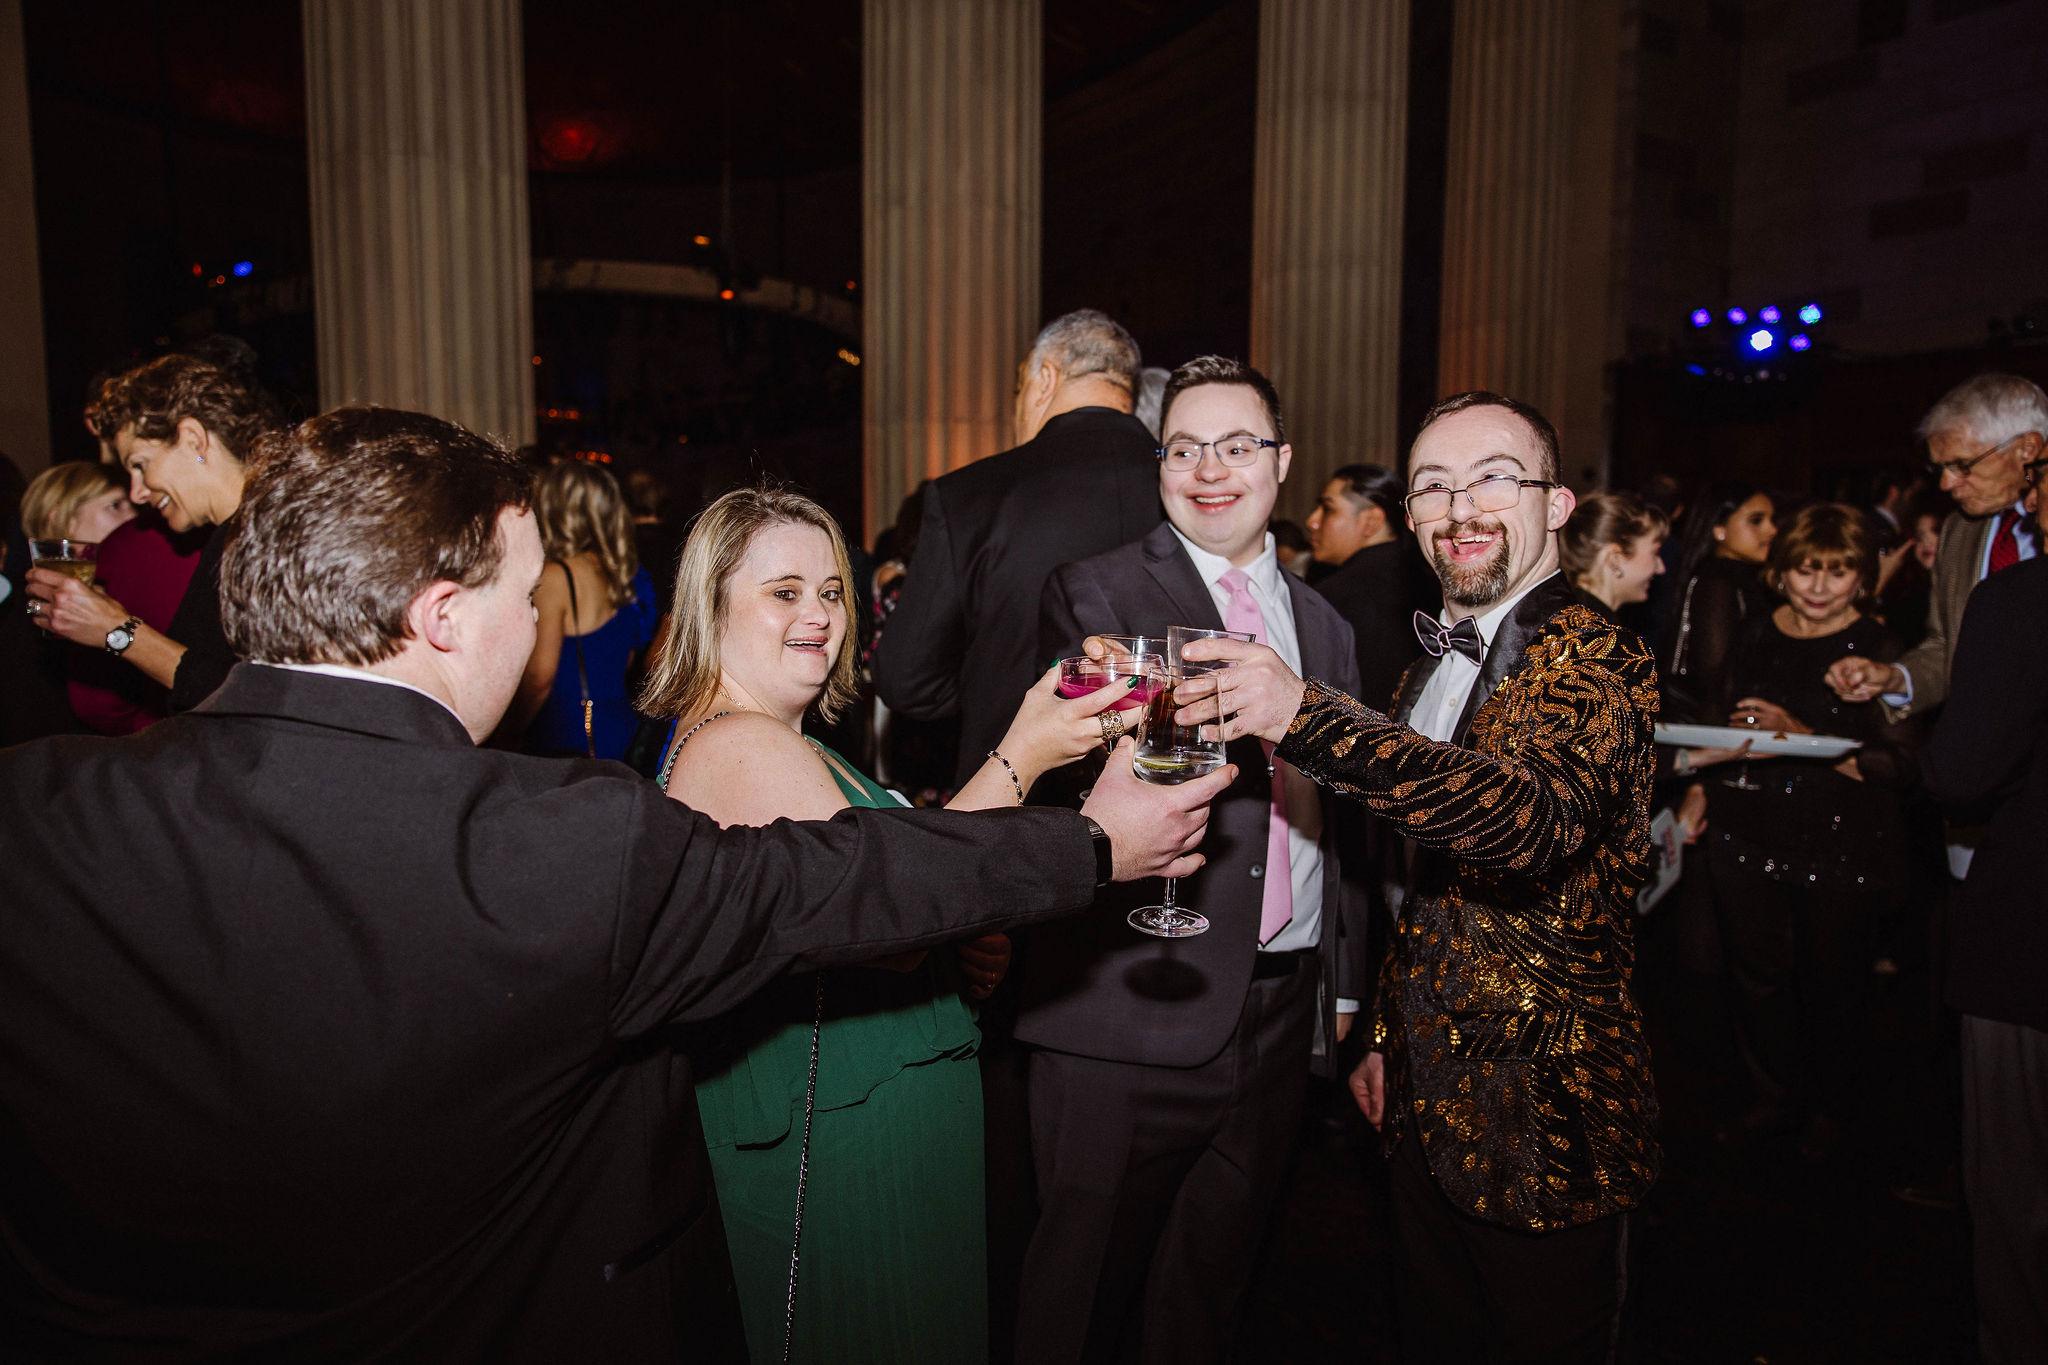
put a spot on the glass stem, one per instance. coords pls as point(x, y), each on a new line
point(1170, 882)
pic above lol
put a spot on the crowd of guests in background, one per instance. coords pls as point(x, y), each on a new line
point(719, 653)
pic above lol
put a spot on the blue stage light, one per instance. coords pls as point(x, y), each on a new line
point(1737, 316)
point(244, 269)
point(1810, 314)
point(1801, 342)
point(1762, 339)
point(1768, 313)
point(1695, 368)
point(1701, 317)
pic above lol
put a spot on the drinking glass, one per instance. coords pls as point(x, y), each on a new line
point(1082, 675)
point(1170, 753)
point(79, 558)
point(1179, 637)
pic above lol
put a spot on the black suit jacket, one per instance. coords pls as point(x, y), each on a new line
point(1506, 1009)
point(326, 1035)
point(1988, 761)
point(1377, 592)
point(1105, 990)
point(961, 640)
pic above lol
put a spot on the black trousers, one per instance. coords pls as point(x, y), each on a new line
point(2005, 1176)
point(1799, 972)
point(1155, 1185)
point(1475, 1293)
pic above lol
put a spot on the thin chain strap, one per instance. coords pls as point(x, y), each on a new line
point(668, 765)
point(803, 1171)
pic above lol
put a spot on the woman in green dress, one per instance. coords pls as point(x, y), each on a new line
point(893, 1257)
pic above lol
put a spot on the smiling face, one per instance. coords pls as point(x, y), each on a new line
point(100, 514)
point(187, 479)
point(785, 618)
point(1222, 509)
point(1484, 557)
point(1748, 532)
point(1819, 591)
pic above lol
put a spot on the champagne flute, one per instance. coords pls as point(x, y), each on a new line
point(1170, 753)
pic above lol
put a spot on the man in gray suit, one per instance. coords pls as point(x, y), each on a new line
point(1167, 1076)
point(1980, 438)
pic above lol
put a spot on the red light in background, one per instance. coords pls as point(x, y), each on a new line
point(198, 271)
point(727, 295)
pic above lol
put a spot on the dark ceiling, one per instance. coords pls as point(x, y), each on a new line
point(631, 88)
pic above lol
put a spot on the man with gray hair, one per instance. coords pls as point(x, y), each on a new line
point(1082, 479)
point(1979, 437)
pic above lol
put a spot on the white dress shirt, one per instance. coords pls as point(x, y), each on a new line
point(1444, 695)
point(1268, 586)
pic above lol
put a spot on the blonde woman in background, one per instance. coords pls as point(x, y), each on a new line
point(595, 611)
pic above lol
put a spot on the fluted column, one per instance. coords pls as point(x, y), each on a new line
point(24, 387)
point(422, 275)
point(952, 99)
point(1505, 209)
point(1326, 227)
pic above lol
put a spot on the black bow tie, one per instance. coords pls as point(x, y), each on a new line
point(1463, 637)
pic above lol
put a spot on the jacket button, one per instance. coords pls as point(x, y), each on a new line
point(1258, 869)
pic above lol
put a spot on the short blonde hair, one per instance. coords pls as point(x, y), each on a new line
point(684, 675)
point(56, 496)
point(579, 509)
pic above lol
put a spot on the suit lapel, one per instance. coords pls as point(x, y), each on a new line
point(1320, 657)
point(1175, 574)
point(1504, 655)
point(1412, 682)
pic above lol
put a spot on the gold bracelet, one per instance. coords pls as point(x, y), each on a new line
point(997, 756)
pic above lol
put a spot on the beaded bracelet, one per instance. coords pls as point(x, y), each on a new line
point(997, 756)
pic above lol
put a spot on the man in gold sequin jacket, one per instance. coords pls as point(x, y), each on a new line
point(1509, 1072)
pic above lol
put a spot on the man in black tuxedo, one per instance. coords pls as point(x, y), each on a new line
point(326, 1035)
point(1988, 761)
point(1080, 480)
point(1167, 1076)
point(1367, 573)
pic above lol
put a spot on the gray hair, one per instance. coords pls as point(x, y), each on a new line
point(1993, 408)
point(1087, 342)
point(1150, 406)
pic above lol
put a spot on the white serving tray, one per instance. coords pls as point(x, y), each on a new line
point(1760, 741)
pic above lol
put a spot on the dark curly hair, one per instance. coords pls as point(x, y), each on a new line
point(154, 397)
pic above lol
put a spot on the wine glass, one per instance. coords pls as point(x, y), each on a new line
point(1170, 753)
point(1742, 781)
point(1082, 675)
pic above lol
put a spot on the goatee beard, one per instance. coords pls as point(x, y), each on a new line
point(1474, 585)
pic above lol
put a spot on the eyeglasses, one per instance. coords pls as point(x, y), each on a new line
point(1494, 493)
point(1235, 451)
point(1941, 469)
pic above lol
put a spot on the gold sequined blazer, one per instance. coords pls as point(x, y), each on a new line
point(1514, 1047)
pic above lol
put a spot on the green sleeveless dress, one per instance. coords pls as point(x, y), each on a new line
point(894, 1264)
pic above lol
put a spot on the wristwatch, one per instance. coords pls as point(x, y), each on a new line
point(1105, 856)
point(123, 635)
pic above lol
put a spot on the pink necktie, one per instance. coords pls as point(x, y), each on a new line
point(1243, 615)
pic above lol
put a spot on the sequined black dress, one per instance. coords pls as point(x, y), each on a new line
point(1811, 825)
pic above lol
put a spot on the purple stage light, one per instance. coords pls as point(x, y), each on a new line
point(1801, 342)
point(1768, 313)
point(1701, 317)
point(1737, 316)
point(1810, 314)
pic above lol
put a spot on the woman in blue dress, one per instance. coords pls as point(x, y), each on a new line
point(595, 613)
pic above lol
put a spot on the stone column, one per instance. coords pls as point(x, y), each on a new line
point(1326, 228)
point(952, 101)
point(1505, 205)
point(24, 382)
point(422, 275)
